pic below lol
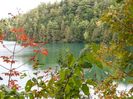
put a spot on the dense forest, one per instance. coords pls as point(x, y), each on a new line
point(67, 21)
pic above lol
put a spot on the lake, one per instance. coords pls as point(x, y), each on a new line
point(22, 57)
point(55, 50)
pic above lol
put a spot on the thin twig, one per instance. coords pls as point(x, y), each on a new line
point(22, 64)
point(13, 55)
point(4, 67)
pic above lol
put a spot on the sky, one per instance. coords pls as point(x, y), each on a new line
point(13, 6)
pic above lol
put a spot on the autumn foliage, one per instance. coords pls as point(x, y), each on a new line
point(25, 41)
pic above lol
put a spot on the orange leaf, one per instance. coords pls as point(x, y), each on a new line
point(44, 52)
point(1, 37)
point(17, 30)
point(36, 51)
point(23, 37)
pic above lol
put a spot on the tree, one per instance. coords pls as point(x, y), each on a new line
point(120, 21)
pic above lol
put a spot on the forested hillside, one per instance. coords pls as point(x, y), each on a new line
point(67, 21)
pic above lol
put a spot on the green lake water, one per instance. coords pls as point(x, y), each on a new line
point(54, 52)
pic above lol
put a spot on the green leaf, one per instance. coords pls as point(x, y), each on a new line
point(78, 71)
point(2, 94)
point(42, 84)
point(99, 64)
point(67, 89)
point(118, 1)
point(70, 59)
point(40, 77)
point(34, 80)
point(31, 96)
point(44, 94)
point(77, 81)
point(62, 74)
point(90, 82)
point(87, 64)
point(85, 89)
point(29, 85)
point(12, 97)
point(23, 75)
point(21, 97)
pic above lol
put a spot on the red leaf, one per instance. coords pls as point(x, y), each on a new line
point(36, 51)
point(23, 37)
point(1, 37)
point(24, 44)
point(44, 52)
point(17, 30)
point(12, 61)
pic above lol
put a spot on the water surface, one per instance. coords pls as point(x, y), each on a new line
point(22, 57)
